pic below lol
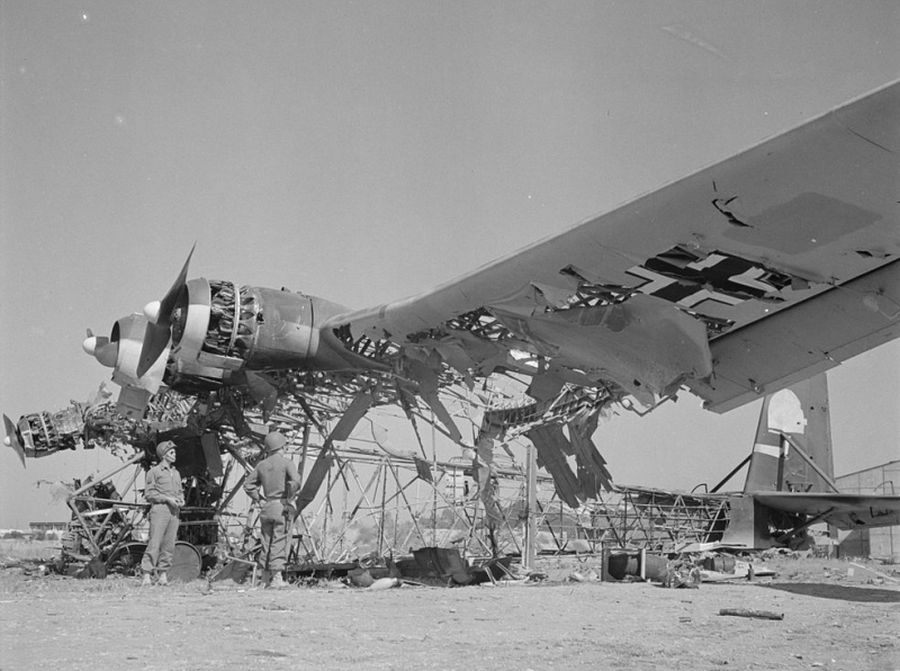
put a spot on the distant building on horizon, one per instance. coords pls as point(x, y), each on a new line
point(48, 526)
point(45, 529)
point(881, 543)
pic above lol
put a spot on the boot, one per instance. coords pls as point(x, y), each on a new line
point(147, 581)
point(162, 580)
point(277, 581)
point(263, 577)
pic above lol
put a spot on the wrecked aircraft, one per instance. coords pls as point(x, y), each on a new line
point(771, 266)
point(732, 283)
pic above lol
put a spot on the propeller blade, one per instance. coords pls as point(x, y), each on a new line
point(167, 304)
point(158, 334)
point(12, 438)
point(156, 339)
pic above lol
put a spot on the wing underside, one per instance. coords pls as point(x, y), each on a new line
point(738, 280)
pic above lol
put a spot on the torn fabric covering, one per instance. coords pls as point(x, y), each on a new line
point(315, 478)
point(355, 412)
point(424, 370)
point(483, 466)
point(209, 441)
point(571, 406)
point(423, 469)
point(551, 446)
point(545, 386)
point(592, 472)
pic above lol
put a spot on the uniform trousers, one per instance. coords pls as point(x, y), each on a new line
point(161, 545)
point(273, 531)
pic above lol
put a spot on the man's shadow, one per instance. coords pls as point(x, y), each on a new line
point(843, 592)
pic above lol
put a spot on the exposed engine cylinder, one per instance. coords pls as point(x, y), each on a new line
point(232, 320)
point(44, 433)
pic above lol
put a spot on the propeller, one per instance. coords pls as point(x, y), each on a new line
point(159, 324)
point(101, 348)
point(12, 438)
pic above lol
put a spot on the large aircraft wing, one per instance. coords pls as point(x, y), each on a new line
point(761, 270)
point(845, 511)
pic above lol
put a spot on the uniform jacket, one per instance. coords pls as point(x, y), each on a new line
point(271, 475)
point(163, 480)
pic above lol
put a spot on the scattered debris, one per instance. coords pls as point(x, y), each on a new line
point(866, 569)
point(683, 572)
point(745, 612)
point(578, 576)
point(384, 583)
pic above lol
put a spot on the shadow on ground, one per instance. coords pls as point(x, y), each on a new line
point(843, 592)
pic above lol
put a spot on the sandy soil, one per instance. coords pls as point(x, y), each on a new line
point(837, 615)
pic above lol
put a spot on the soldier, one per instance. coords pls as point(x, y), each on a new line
point(278, 477)
point(166, 496)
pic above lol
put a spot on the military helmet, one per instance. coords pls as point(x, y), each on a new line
point(274, 442)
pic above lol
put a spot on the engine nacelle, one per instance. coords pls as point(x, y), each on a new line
point(222, 327)
point(43, 433)
point(215, 329)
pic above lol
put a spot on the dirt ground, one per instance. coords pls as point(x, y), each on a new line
point(837, 615)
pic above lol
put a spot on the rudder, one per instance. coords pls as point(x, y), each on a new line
point(800, 412)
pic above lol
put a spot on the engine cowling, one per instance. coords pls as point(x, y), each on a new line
point(225, 327)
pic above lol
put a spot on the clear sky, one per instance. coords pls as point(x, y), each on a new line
point(364, 151)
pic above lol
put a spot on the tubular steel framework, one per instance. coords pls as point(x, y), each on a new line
point(361, 497)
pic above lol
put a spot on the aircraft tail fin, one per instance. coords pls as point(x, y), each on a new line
point(799, 412)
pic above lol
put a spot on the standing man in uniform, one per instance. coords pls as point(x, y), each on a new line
point(166, 496)
point(277, 477)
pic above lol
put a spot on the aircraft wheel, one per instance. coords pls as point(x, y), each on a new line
point(127, 559)
point(186, 563)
